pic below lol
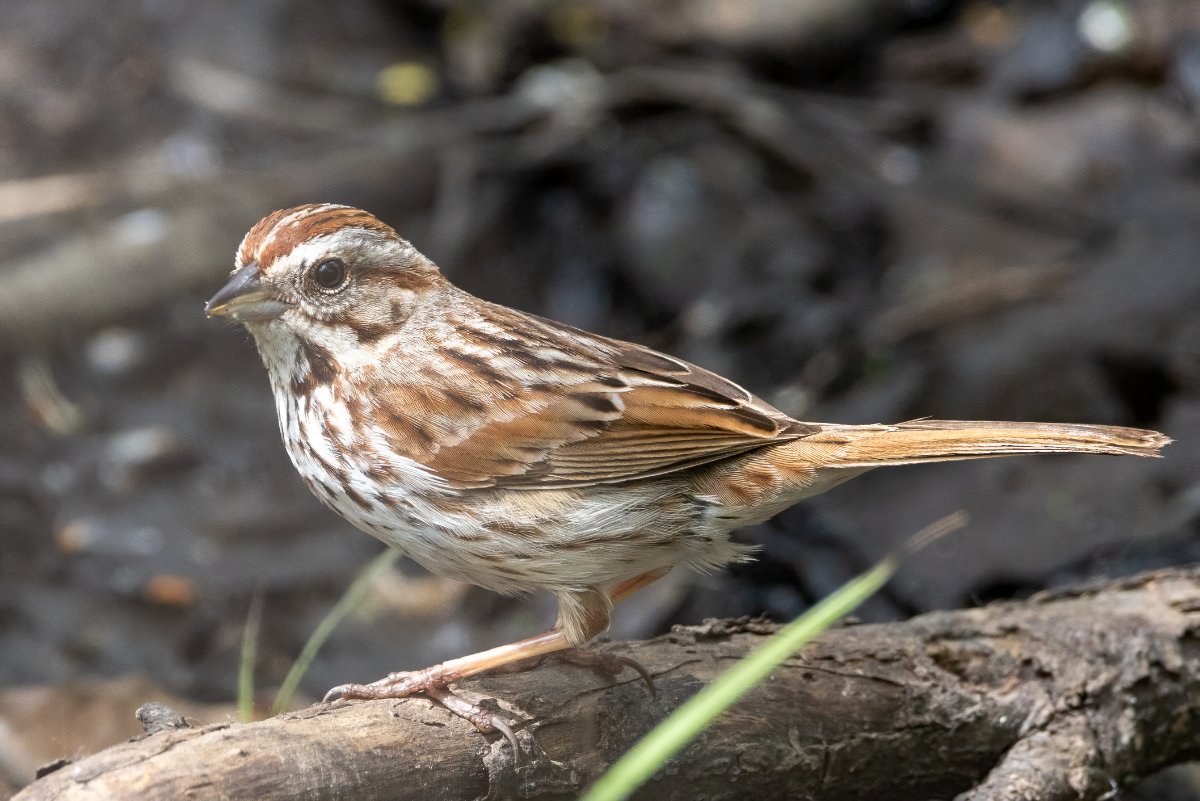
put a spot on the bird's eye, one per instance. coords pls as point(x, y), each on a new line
point(330, 274)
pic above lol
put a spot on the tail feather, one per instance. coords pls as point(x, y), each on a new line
point(947, 440)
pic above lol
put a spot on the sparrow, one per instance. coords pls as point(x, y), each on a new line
point(521, 454)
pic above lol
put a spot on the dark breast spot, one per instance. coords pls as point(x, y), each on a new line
point(321, 368)
point(353, 495)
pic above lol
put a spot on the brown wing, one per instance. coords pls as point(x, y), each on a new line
point(547, 406)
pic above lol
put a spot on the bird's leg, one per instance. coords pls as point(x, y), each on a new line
point(611, 664)
point(433, 682)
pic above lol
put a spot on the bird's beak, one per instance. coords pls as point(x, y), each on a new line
point(244, 299)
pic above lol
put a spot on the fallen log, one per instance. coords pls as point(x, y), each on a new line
point(1064, 696)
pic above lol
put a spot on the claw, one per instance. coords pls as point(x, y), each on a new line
point(610, 664)
point(507, 731)
point(637, 667)
point(434, 681)
point(338, 693)
point(480, 718)
point(434, 687)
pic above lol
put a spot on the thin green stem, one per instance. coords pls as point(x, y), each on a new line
point(350, 600)
point(670, 736)
point(245, 693)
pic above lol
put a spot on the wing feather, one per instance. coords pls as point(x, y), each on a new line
point(588, 410)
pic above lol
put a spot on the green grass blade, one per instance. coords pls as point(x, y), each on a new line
point(674, 733)
point(245, 691)
point(351, 598)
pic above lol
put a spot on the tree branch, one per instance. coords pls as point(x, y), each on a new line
point(1062, 696)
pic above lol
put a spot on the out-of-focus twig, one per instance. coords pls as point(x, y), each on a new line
point(974, 293)
point(45, 399)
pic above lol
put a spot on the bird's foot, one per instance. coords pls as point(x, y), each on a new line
point(434, 684)
point(610, 665)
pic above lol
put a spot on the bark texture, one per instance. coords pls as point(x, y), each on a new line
point(1063, 696)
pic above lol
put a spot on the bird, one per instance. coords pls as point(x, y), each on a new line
point(520, 454)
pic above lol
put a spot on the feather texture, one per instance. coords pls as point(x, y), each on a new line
point(581, 409)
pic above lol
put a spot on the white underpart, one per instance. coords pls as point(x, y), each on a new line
point(324, 426)
point(410, 512)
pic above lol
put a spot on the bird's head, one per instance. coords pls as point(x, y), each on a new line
point(324, 276)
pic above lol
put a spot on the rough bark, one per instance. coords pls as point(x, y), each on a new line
point(1063, 696)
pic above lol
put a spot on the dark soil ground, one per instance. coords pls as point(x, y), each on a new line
point(876, 212)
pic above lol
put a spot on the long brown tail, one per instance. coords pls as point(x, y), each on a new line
point(947, 440)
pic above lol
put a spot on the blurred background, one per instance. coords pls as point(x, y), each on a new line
point(865, 211)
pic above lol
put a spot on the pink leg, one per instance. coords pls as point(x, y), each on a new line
point(433, 682)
